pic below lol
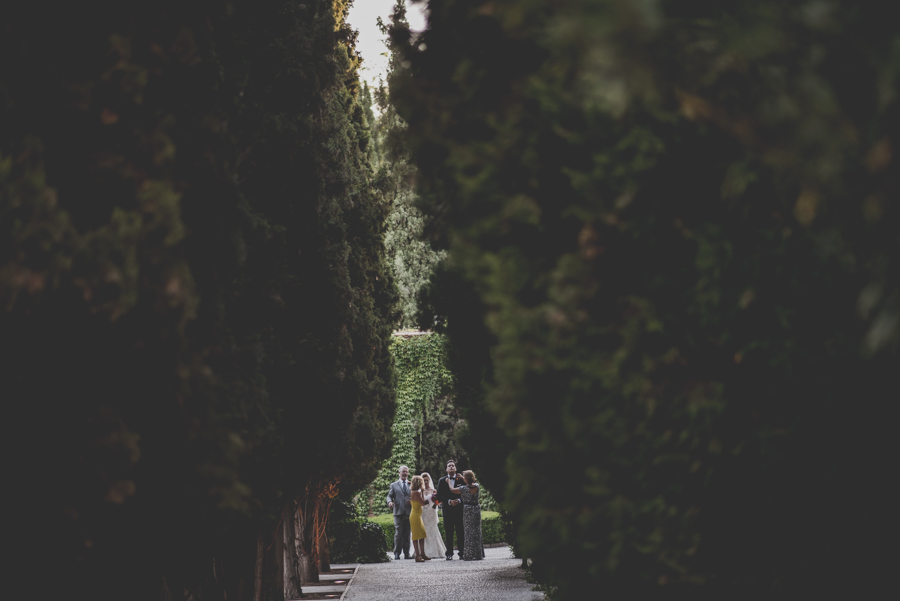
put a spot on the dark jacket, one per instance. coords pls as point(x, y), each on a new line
point(444, 495)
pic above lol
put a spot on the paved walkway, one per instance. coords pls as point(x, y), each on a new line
point(495, 578)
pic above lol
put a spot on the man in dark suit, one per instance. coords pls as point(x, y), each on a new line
point(452, 509)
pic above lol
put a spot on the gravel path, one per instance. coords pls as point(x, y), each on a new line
point(495, 578)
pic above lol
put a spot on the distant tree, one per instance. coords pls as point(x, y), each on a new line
point(412, 259)
point(410, 255)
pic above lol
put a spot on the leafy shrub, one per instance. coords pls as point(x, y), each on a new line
point(371, 540)
point(356, 541)
point(352, 539)
point(344, 537)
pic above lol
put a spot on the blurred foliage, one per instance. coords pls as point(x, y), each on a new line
point(672, 287)
point(195, 306)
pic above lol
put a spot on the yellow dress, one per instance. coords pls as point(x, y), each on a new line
point(416, 525)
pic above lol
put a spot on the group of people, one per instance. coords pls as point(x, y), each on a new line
point(415, 503)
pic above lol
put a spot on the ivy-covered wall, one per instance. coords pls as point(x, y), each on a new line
point(422, 376)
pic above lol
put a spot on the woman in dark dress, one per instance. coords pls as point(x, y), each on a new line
point(471, 517)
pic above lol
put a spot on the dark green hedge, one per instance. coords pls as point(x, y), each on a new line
point(356, 541)
point(491, 528)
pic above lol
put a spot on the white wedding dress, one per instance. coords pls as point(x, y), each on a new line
point(434, 542)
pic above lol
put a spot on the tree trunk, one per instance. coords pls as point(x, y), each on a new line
point(164, 593)
point(322, 506)
point(258, 569)
point(277, 591)
point(305, 540)
point(242, 565)
point(324, 553)
point(216, 588)
point(292, 563)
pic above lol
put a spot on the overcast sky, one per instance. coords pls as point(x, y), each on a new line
point(363, 17)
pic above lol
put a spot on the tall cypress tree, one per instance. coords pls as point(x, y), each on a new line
point(196, 306)
point(411, 257)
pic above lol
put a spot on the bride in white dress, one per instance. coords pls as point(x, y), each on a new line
point(434, 542)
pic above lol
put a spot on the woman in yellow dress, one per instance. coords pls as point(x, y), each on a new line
point(416, 525)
